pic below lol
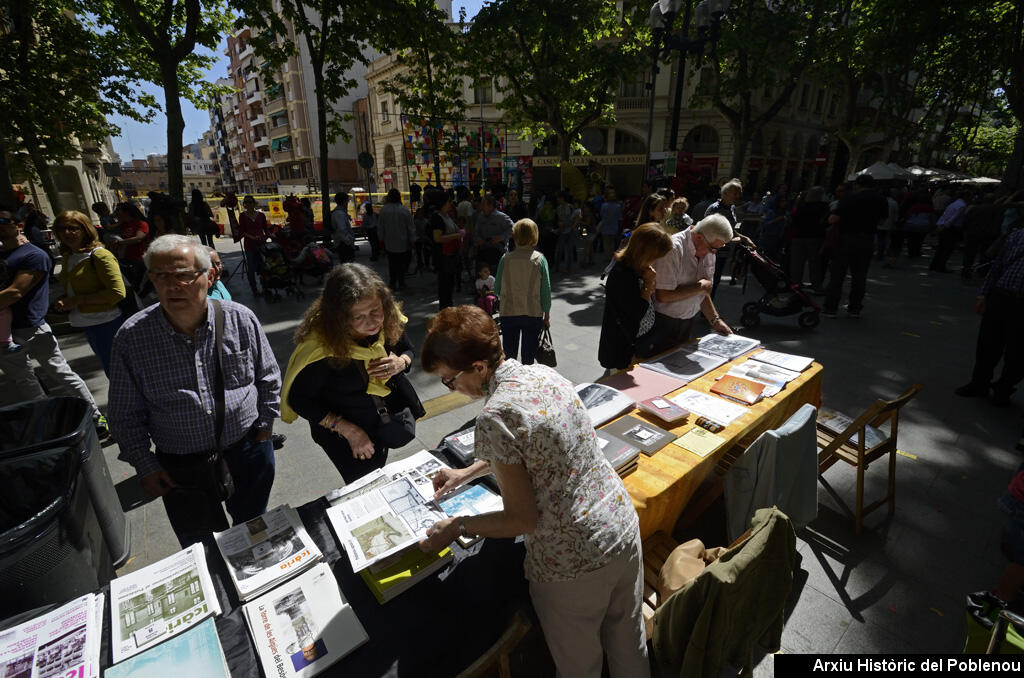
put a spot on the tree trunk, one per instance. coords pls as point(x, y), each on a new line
point(32, 145)
point(1012, 176)
point(175, 129)
point(741, 140)
point(7, 196)
point(321, 141)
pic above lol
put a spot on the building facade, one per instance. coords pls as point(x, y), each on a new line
point(80, 182)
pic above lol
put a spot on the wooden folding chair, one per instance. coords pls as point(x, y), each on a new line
point(851, 446)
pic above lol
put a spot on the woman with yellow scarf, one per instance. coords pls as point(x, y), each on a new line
point(347, 375)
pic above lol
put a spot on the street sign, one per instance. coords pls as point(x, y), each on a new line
point(821, 159)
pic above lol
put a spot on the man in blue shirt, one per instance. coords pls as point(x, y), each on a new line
point(27, 293)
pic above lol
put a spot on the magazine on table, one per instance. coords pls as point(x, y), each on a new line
point(774, 378)
point(264, 551)
point(63, 643)
point(196, 653)
point(727, 346)
point(787, 361)
point(739, 389)
point(387, 510)
point(603, 403)
point(686, 363)
point(159, 601)
point(836, 422)
point(704, 405)
point(639, 433)
point(471, 500)
point(303, 626)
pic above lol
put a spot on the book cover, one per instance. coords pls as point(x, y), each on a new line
point(402, 571)
point(63, 642)
point(303, 626)
point(196, 653)
point(647, 437)
point(264, 551)
point(641, 383)
point(728, 346)
point(664, 409)
point(738, 388)
point(619, 453)
point(603, 403)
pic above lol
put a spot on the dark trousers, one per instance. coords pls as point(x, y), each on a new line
point(340, 453)
point(206, 237)
point(371, 235)
point(668, 332)
point(194, 509)
point(525, 329)
point(447, 269)
point(346, 253)
point(253, 266)
point(948, 238)
point(852, 253)
point(999, 337)
point(398, 264)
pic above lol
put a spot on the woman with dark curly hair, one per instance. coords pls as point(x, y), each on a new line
point(349, 364)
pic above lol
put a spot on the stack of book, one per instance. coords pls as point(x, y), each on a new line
point(401, 571)
point(266, 551)
point(63, 642)
point(620, 454)
point(643, 435)
point(196, 652)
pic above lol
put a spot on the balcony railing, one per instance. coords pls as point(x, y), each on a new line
point(266, 164)
point(252, 97)
point(258, 120)
point(262, 141)
point(632, 103)
point(283, 155)
point(246, 52)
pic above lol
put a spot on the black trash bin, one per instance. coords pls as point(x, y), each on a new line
point(36, 440)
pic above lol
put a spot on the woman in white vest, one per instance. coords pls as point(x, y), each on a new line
point(523, 285)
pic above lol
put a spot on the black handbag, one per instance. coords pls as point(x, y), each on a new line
point(546, 349)
point(395, 429)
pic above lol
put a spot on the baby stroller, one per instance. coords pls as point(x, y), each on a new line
point(781, 295)
point(277, 275)
point(313, 260)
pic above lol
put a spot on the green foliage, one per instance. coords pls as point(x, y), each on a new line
point(61, 79)
point(558, 64)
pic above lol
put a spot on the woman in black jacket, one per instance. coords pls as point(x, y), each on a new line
point(628, 309)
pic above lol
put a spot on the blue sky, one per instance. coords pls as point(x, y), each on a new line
point(138, 139)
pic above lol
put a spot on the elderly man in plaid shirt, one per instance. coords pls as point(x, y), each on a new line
point(164, 389)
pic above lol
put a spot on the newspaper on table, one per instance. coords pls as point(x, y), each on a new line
point(774, 378)
point(197, 654)
point(63, 643)
point(303, 626)
point(704, 405)
point(387, 510)
point(159, 601)
point(603, 403)
point(787, 361)
point(263, 552)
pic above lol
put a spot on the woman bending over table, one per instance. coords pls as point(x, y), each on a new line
point(582, 534)
point(351, 357)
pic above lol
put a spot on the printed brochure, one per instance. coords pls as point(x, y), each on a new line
point(64, 643)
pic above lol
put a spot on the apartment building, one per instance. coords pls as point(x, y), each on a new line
point(221, 110)
point(140, 176)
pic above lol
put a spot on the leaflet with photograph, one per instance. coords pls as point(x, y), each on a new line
point(774, 378)
point(386, 510)
point(63, 643)
point(159, 601)
point(197, 653)
point(263, 552)
point(603, 403)
point(704, 405)
point(472, 500)
point(639, 433)
point(837, 422)
point(727, 346)
point(686, 363)
point(303, 626)
point(620, 454)
point(794, 363)
point(462, 445)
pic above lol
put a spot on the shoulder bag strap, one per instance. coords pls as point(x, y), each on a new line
point(218, 388)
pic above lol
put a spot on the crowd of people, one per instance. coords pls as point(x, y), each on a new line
point(195, 387)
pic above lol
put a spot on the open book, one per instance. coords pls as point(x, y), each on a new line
point(63, 642)
point(303, 626)
point(387, 510)
point(159, 601)
point(603, 403)
point(693, 361)
point(265, 551)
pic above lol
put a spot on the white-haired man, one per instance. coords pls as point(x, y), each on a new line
point(732, 192)
point(198, 380)
point(683, 285)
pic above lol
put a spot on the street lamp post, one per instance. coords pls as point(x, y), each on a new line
point(708, 15)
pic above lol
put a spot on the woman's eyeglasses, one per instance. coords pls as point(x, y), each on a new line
point(67, 228)
point(450, 381)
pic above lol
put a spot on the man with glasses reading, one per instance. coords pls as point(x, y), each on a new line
point(684, 284)
point(208, 410)
point(27, 294)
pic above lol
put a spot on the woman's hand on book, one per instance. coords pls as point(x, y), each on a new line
point(440, 534)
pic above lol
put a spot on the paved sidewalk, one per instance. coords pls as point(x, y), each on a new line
point(899, 587)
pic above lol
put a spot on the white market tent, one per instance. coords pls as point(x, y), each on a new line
point(878, 171)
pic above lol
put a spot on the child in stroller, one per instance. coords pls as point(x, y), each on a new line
point(781, 297)
point(277, 274)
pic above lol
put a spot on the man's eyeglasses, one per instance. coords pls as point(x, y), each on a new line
point(184, 276)
point(450, 381)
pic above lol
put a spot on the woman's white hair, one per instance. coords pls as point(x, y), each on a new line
point(166, 244)
point(714, 227)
